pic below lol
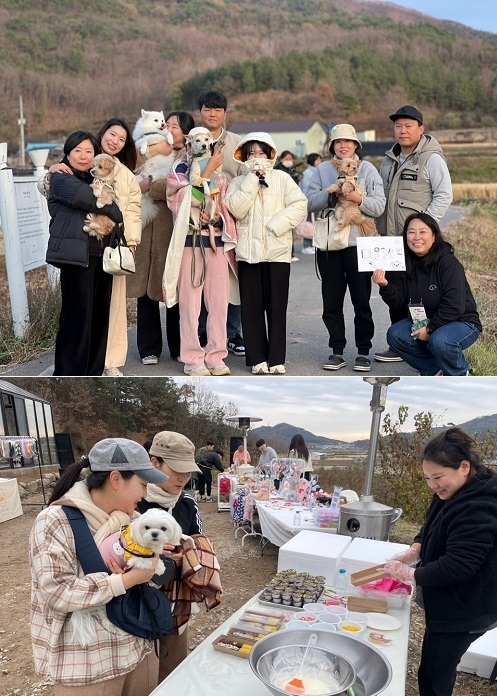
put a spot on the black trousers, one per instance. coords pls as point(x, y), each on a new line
point(81, 341)
point(440, 655)
point(264, 297)
point(149, 329)
point(339, 271)
point(204, 479)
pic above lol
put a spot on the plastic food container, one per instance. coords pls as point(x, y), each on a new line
point(351, 628)
point(357, 617)
point(328, 618)
point(306, 617)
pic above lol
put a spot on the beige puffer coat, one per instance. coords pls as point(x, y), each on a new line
point(265, 217)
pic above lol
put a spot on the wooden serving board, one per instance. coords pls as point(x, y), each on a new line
point(368, 575)
point(363, 605)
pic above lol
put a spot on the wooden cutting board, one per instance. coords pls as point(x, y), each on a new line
point(364, 605)
point(368, 575)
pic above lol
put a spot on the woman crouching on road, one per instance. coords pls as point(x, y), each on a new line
point(437, 292)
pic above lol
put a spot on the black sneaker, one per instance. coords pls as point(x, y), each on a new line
point(362, 363)
point(388, 356)
point(236, 345)
point(335, 362)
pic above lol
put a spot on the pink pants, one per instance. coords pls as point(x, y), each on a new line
point(215, 289)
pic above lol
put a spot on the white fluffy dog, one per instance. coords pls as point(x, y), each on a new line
point(150, 129)
point(136, 545)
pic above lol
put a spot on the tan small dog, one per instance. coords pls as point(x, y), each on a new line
point(102, 170)
point(199, 142)
point(347, 212)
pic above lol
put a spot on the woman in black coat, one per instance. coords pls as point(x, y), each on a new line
point(86, 289)
point(435, 290)
point(455, 554)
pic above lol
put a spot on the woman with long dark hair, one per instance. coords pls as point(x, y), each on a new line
point(444, 318)
point(146, 283)
point(298, 450)
point(115, 139)
point(115, 662)
point(453, 560)
point(85, 288)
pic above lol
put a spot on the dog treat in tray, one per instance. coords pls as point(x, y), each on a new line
point(264, 620)
point(293, 590)
point(233, 646)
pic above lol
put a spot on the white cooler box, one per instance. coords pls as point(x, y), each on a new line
point(481, 657)
point(314, 552)
point(364, 553)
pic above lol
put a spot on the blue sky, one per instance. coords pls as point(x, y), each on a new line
point(338, 407)
point(478, 14)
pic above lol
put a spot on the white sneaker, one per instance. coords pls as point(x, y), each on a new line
point(208, 500)
point(150, 360)
point(260, 369)
point(112, 372)
point(277, 370)
point(219, 370)
point(308, 250)
point(197, 371)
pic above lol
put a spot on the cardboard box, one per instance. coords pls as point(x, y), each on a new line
point(314, 552)
point(481, 656)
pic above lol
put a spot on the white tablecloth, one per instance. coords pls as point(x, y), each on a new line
point(10, 502)
point(210, 673)
point(277, 523)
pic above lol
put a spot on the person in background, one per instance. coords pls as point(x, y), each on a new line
point(205, 462)
point(298, 450)
point(81, 342)
point(267, 204)
point(415, 179)
point(453, 560)
point(435, 284)
point(339, 269)
point(146, 283)
point(173, 455)
point(241, 457)
point(286, 163)
point(313, 161)
point(116, 140)
point(119, 472)
point(267, 453)
point(213, 107)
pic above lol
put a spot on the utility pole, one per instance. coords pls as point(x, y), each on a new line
point(21, 122)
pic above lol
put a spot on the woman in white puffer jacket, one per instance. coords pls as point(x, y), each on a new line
point(267, 205)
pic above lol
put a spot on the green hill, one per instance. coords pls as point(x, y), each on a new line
point(76, 64)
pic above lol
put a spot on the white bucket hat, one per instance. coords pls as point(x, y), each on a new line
point(343, 131)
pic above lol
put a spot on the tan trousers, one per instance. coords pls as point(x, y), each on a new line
point(172, 651)
point(139, 682)
point(117, 337)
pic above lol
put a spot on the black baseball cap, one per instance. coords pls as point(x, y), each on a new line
point(407, 111)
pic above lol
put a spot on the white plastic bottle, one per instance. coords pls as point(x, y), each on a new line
point(296, 519)
point(341, 582)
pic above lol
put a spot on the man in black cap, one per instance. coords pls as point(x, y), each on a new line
point(416, 179)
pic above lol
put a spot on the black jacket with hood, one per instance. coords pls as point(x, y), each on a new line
point(70, 199)
point(441, 287)
point(458, 567)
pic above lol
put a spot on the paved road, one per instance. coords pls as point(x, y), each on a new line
point(307, 336)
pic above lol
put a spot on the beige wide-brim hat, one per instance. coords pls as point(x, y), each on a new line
point(177, 451)
point(343, 131)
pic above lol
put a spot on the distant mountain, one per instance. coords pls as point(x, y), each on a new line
point(284, 433)
point(77, 64)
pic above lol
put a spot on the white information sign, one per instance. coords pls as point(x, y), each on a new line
point(31, 221)
point(386, 253)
